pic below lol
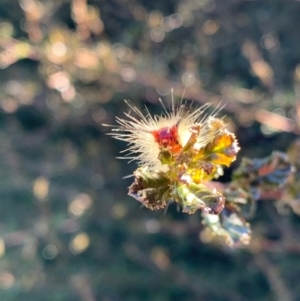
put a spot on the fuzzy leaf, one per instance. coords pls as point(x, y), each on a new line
point(272, 171)
point(151, 189)
point(236, 226)
point(228, 227)
point(198, 197)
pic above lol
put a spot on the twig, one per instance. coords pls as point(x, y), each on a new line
point(279, 288)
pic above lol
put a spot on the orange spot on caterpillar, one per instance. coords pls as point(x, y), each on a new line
point(167, 138)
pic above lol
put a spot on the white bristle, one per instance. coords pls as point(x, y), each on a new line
point(137, 131)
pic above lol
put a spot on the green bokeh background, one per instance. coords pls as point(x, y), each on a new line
point(68, 230)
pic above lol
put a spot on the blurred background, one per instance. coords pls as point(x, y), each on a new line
point(68, 230)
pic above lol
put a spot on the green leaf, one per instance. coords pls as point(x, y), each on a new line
point(193, 197)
